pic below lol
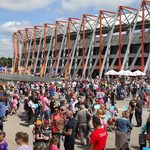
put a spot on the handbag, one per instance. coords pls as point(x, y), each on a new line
point(88, 121)
point(142, 138)
point(88, 117)
point(148, 137)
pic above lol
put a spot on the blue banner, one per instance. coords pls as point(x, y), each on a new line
point(2, 109)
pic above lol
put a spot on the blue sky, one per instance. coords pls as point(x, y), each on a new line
point(18, 14)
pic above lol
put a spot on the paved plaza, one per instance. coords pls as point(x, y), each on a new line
point(15, 124)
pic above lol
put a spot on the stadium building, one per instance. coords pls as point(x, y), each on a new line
point(87, 46)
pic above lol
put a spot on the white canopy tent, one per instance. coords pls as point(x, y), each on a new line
point(122, 73)
point(125, 73)
point(111, 72)
point(129, 73)
point(138, 73)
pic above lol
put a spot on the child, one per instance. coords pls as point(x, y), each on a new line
point(38, 136)
point(53, 144)
point(22, 140)
point(46, 131)
point(14, 105)
point(3, 143)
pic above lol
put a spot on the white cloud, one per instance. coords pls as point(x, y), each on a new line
point(12, 26)
point(6, 48)
point(24, 5)
point(61, 19)
point(65, 5)
point(77, 5)
point(6, 31)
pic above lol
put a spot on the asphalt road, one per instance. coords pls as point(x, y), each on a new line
point(15, 124)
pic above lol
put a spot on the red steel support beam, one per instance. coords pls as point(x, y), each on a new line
point(68, 46)
point(101, 37)
point(37, 26)
point(120, 38)
point(143, 36)
point(56, 44)
point(49, 24)
point(14, 48)
point(60, 21)
point(68, 65)
point(125, 7)
point(69, 43)
point(44, 53)
point(110, 12)
point(75, 19)
point(147, 2)
point(34, 45)
point(35, 29)
point(100, 42)
point(90, 15)
point(25, 47)
point(83, 43)
point(18, 50)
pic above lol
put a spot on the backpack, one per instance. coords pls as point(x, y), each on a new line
point(148, 127)
point(26, 106)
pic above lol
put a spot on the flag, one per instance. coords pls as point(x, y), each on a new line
point(29, 70)
point(12, 70)
point(20, 70)
point(41, 70)
point(5, 69)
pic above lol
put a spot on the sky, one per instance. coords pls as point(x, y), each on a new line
point(18, 14)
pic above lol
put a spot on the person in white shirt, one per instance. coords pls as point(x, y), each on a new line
point(22, 140)
point(72, 104)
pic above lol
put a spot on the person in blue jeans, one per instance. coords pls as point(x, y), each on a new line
point(138, 111)
point(3, 143)
point(22, 140)
point(123, 131)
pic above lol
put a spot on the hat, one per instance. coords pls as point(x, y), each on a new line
point(82, 106)
point(99, 112)
point(46, 122)
point(2, 132)
point(38, 122)
point(56, 107)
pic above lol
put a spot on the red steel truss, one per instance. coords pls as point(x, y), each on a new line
point(101, 17)
point(14, 49)
point(144, 6)
point(121, 14)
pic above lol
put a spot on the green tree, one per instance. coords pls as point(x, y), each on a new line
point(5, 62)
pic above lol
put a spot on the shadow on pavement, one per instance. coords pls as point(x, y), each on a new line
point(135, 147)
point(79, 145)
point(24, 124)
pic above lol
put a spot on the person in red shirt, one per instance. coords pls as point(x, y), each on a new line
point(98, 137)
point(57, 124)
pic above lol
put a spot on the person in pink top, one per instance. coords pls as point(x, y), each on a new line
point(14, 103)
point(53, 144)
point(46, 107)
point(15, 94)
point(41, 96)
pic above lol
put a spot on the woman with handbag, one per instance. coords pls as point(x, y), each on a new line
point(148, 129)
point(123, 126)
point(138, 111)
point(144, 136)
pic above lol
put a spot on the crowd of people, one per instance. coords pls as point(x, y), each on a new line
point(84, 109)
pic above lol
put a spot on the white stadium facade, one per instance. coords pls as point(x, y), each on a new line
point(87, 46)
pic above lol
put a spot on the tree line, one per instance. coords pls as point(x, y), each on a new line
point(6, 62)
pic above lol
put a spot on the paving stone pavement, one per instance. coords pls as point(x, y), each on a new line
point(15, 124)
